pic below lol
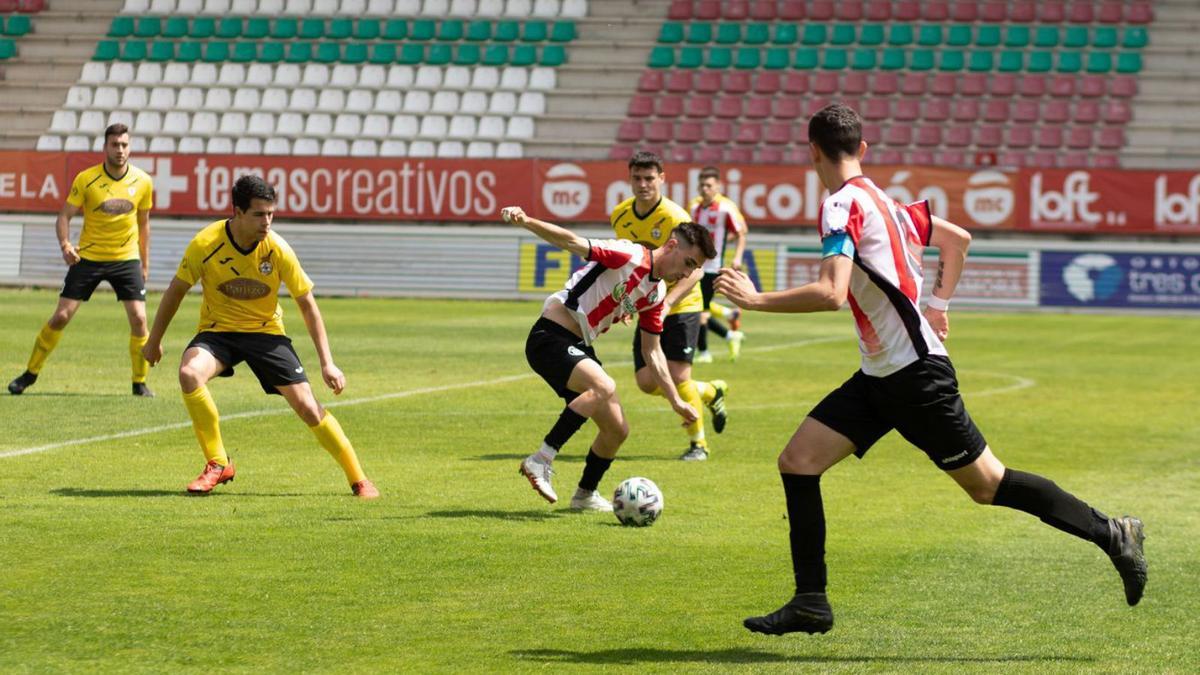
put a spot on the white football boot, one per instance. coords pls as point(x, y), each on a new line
point(539, 473)
point(590, 501)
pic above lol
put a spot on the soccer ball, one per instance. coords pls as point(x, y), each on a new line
point(637, 502)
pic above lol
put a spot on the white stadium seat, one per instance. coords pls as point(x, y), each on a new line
point(331, 100)
point(289, 124)
point(375, 126)
point(176, 123)
point(364, 148)
point(485, 78)
point(480, 150)
point(233, 123)
point(137, 144)
point(417, 101)
point(189, 7)
point(277, 146)
point(274, 99)
point(161, 98)
point(134, 98)
point(270, 7)
point(360, 101)
point(261, 124)
point(105, 98)
point(49, 143)
point(351, 7)
point(204, 124)
point(318, 124)
point(77, 144)
point(404, 126)
point(437, 8)
point(298, 7)
point(407, 7)
point(490, 127)
point(381, 7)
point(490, 8)
point(347, 126)
point(474, 103)
point(94, 73)
point(243, 7)
point(428, 77)
point(177, 74)
point(136, 7)
point(532, 103)
point(232, 75)
point(306, 146)
point(335, 147)
point(260, 74)
point(456, 77)
point(545, 9)
point(120, 73)
point(400, 77)
point(315, 75)
point(344, 75)
point(518, 8)
point(218, 99)
point(433, 127)
point(520, 127)
point(509, 151)
point(388, 101)
point(542, 79)
point(393, 148)
point(189, 98)
point(286, 75)
point(248, 146)
point(149, 74)
point(190, 145)
point(514, 79)
point(162, 6)
point(444, 103)
point(422, 149)
point(246, 99)
point(372, 76)
point(503, 103)
point(79, 98)
point(574, 9)
point(450, 149)
point(64, 121)
point(119, 117)
point(216, 7)
point(463, 8)
point(462, 126)
point(147, 123)
point(162, 144)
point(303, 99)
point(203, 74)
point(91, 122)
point(219, 146)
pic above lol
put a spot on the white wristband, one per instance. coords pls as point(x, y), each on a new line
point(934, 302)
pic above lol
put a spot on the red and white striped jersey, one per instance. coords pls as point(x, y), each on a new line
point(721, 218)
point(615, 283)
point(885, 239)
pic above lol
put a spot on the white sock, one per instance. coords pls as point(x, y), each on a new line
point(546, 454)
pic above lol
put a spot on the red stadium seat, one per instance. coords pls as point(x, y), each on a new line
point(1014, 160)
point(659, 131)
point(791, 10)
point(964, 11)
point(872, 133)
point(680, 154)
point(929, 135)
point(1019, 137)
point(1106, 161)
point(1062, 86)
point(709, 154)
point(966, 110)
point(758, 107)
point(887, 157)
point(919, 158)
point(749, 133)
point(698, 107)
point(1072, 160)
point(1079, 138)
point(679, 81)
point(797, 154)
point(1003, 84)
point(1139, 12)
point(729, 107)
point(1049, 137)
point(1111, 138)
point(31, 6)
point(8, 5)
point(1110, 12)
point(763, 10)
point(689, 132)
point(1025, 110)
point(707, 82)
point(972, 84)
point(1081, 11)
point(935, 10)
point(651, 81)
point(852, 102)
point(906, 109)
point(1091, 86)
point(914, 84)
point(796, 83)
point(996, 110)
point(885, 84)
point(641, 106)
point(737, 82)
point(1124, 86)
point(898, 135)
point(944, 84)
point(936, 110)
point(778, 133)
point(738, 155)
point(767, 82)
point(1117, 112)
point(1056, 112)
point(669, 106)
point(720, 131)
point(988, 137)
point(824, 82)
point(680, 10)
point(993, 12)
point(820, 10)
point(768, 155)
point(1041, 160)
point(707, 9)
point(735, 10)
point(906, 10)
point(800, 135)
point(629, 130)
point(878, 10)
point(849, 10)
point(1022, 12)
point(957, 137)
point(787, 108)
point(876, 109)
point(1086, 112)
point(950, 158)
point(1032, 85)
point(620, 152)
point(1052, 11)
point(815, 104)
point(855, 83)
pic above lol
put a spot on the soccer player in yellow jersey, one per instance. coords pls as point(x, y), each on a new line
point(724, 220)
point(648, 218)
point(241, 263)
point(114, 246)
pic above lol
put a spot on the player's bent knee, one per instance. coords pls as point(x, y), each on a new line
point(605, 388)
point(799, 462)
point(189, 378)
point(981, 494)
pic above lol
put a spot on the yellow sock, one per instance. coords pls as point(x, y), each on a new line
point(707, 392)
point(718, 310)
point(207, 424)
point(141, 367)
point(687, 391)
point(47, 340)
point(331, 437)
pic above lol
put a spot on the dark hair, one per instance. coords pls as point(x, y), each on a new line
point(250, 187)
point(710, 172)
point(115, 130)
point(643, 159)
point(695, 235)
point(837, 130)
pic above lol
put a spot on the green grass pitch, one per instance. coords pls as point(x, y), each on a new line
point(107, 566)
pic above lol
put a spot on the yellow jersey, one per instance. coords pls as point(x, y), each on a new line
point(652, 230)
point(241, 287)
point(110, 207)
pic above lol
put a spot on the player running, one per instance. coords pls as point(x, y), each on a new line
point(721, 217)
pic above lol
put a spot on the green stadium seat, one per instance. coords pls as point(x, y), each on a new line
point(1105, 37)
point(835, 59)
point(691, 57)
point(106, 50)
point(871, 35)
point(147, 27)
point(1045, 36)
point(189, 51)
point(354, 52)
point(1040, 62)
point(951, 60)
point(451, 30)
point(719, 57)
point(329, 52)
point(562, 31)
point(535, 31)
point(748, 58)
point(383, 53)
point(1076, 36)
point(395, 29)
point(284, 29)
point(806, 59)
point(230, 27)
point(311, 29)
point(422, 30)
point(522, 55)
point(439, 55)
point(980, 62)
point(299, 52)
point(930, 36)
point(245, 51)
point(1099, 63)
point(177, 27)
point(777, 59)
point(411, 54)
point(785, 34)
point(256, 28)
point(1012, 61)
point(466, 55)
point(814, 34)
point(893, 59)
point(757, 34)
point(134, 50)
point(363, 29)
point(900, 35)
point(553, 55)
point(729, 34)
point(699, 33)
point(216, 51)
point(496, 55)
point(507, 31)
point(271, 52)
point(863, 59)
point(162, 50)
point(121, 26)
point(959, 35)
point(921, 60)
point(18, 25)
point(1069, 62)
point(1129, 62)
point(671, 33)
point(843, 34)
point(661, 57)
point(8, 49)
point(988, 35)
point(1135, 38)
point(481, 31)
point(341, 28)
point(202, 28)
point(1016, 37)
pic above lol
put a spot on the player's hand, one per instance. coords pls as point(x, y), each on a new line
point(152, 352)
point(514, 214)
point(627, 319)
point(687, 412)
point(70, 255)
point(145, 274)
point(939, 321)
point(737, 287)
point(334, 378)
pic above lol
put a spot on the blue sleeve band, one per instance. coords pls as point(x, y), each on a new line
point(838, 243)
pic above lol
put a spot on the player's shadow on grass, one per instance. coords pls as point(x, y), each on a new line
point(134, 492)
point(496, 514)
point(742, 655)
point(515, 457)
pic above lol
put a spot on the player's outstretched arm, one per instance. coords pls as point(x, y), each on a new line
point(330, 373)
point(826, 294)
point(558, 236)
point(952, 243)
point(653, 354)
point(167, 307)
point(62, 226)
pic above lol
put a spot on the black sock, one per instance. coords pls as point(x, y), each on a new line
point(702, 340)
point(1055, 506)
point(566, 426)
point(806, 515)
point(593, 471)
point(717, 327)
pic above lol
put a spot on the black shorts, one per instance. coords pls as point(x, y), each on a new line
point(270, 357)
point(553, 352)
point(921, 401)
point(706, 287)
point(125, 277)
point(679, 337)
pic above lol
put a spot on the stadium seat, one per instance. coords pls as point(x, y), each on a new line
point(78, 98)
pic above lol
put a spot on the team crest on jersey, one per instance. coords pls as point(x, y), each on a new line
point(265, 267)
point(656, 233)
point(132, 191)
point(621, 295)
point(652, 296)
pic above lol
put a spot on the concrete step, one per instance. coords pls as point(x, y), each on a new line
point(587, 105)
point(56, 48)
point(577, 129)
point(62, 73)
point(641, 8)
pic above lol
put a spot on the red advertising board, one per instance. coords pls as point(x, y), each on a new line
point(1107, 201)
point(32, 181)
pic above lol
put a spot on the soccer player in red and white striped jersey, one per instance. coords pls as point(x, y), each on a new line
point(872, 248)
point(622, 279)
point(724, 220)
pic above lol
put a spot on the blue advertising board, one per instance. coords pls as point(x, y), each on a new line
point(1151, 280)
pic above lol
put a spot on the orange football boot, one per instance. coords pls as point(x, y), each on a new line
point(365, 489)
point(213, 475)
